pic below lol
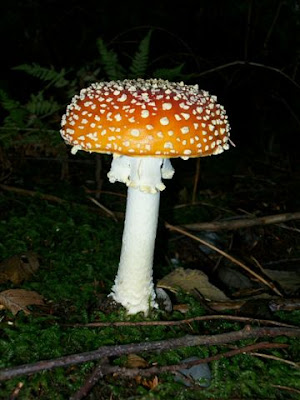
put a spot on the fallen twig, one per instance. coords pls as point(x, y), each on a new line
point(242, 222)
point(289, 389)
point(102, 369)
point(271, 357)
point(182, 322)
point(223, 253)
point(105, 209)
point(58, 200)
point(160, 345)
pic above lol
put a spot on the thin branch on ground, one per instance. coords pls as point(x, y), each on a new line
point(271, 357)
point(54, 199)
point(242, 222)
point(289, 389)
point(160, 345)
point(105, 209)
point(182, 322)
point(102, 370)
point(226, 255)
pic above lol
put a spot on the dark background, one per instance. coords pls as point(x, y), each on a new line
point(252, 48)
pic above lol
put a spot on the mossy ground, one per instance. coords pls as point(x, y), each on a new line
point(78, 251)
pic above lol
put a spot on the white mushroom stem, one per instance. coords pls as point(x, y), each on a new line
point(133, 286)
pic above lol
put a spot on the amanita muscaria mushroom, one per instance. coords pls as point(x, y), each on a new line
point(143, 123)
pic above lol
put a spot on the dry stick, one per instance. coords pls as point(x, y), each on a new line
point(289, 389)
point(102, 370)
point(182, 321)
point(55, 199)
point(32, 193)
point(242, 222)
point(105, 209)
point(160, 345)
point(234, 260)
point(270, 357)
point(91, 381)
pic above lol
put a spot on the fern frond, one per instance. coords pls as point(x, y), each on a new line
point(170, 74)
point(39, 106)
point(140, 59)
point(8, 103)
point(110, 62)
point(55, 78)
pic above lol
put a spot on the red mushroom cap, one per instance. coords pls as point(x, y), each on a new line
point(146, 118)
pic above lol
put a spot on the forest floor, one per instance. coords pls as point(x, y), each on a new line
point(64, 250)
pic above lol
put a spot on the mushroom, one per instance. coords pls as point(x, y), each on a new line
point(143, 123)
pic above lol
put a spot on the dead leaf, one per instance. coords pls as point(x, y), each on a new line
point(189, 280)
point(18, 268)
point(17, 300)
point(150, 383)
point(135, 361)
point(183, 308)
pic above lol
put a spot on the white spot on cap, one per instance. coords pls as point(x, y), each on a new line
point(84, 121)
point(167, 106)
point(97, 118)
point(196, 126)
point(177, 117)
point(168, 145)
point(185, 116)
point(122, 98)
point(185, 129)
point(149, 127)
point(135, 132)
point(164, 121)
point(145, 114)
point(184, 106)
point(118, 117)
point(199, 110)
point(187, 152)
point(170, 133)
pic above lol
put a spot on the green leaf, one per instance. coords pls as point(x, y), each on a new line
point(140, 60)
point(8, 103)
point(54, 78)
point(110, 62)
point(39, 106)
point(169, 73)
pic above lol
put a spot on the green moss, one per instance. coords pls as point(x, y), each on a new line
point(79, 253)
